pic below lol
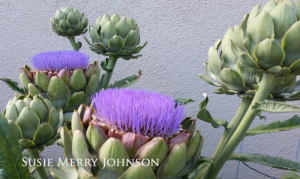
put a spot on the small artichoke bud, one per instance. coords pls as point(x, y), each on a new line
point(69, 22)
point(120, 37)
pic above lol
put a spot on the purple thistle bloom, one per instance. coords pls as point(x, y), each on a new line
point(57, 60)
point(139, 111)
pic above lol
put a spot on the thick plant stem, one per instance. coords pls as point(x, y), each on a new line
point(34, 154)
point(262, 93)
point(233, 124)
point(110, 66)
point(73, 42)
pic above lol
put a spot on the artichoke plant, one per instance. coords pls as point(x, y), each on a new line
point(64, 77)
point(265, 41)
point(139, 131)
point(116, 36)
point(69, 21)
point(260, 58)
point(34, 120)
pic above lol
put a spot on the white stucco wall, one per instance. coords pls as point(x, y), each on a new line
point(179, 34)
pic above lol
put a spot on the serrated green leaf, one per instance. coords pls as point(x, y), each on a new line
point(126, 81)
point(289, 124)
point(274, 162)
point(275, 107)
point(183, 101)
point(13, 85)
point(204, 115)
point(10, 154)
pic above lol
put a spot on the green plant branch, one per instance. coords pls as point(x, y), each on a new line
point(34, 154)
point(110, 66)
point(73, 42)
point(233, 124)
point(265, 87)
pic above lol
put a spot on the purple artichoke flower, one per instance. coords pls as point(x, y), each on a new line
point(139, 111)
point(58, 60)
point(61, 76)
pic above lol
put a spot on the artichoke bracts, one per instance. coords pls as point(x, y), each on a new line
point(116, 36)
point(69, 21)
point(65, 78)
point(137, 126)
point(265, 42)
point(34, 121)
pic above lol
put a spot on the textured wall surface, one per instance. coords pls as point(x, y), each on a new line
point(179, 34)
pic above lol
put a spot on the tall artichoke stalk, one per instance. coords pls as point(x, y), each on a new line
point(115, 37)
point(136, 125)
point(69, 22)
point(264, 47)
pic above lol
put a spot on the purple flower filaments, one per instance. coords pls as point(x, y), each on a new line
point(139, 111)
point(57, 60)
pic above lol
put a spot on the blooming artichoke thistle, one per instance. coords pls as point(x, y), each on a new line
point(132, 127)
point(33, 120)
point(266, 41)
point(69, 21)
point(64, 77)
point(116, 36)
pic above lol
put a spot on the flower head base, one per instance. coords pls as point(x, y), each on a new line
point(57, 60)
point(139, 111)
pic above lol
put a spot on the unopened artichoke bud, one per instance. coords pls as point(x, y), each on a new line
point(266, 41)
point(69, 21)
point(116, 36)
point(34, 121)
point(64, 77)
point(139, 134)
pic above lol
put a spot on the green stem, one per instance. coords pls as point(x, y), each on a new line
point(262, 93)
point(34, 154)
point(111, 66)
point(233, 124)
point(73, 42)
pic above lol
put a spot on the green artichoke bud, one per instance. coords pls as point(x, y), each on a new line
point(34, 121)
point(124, 153)
point(67, 84)
point(116, 36)
point(69, 21)
point(265, 42)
